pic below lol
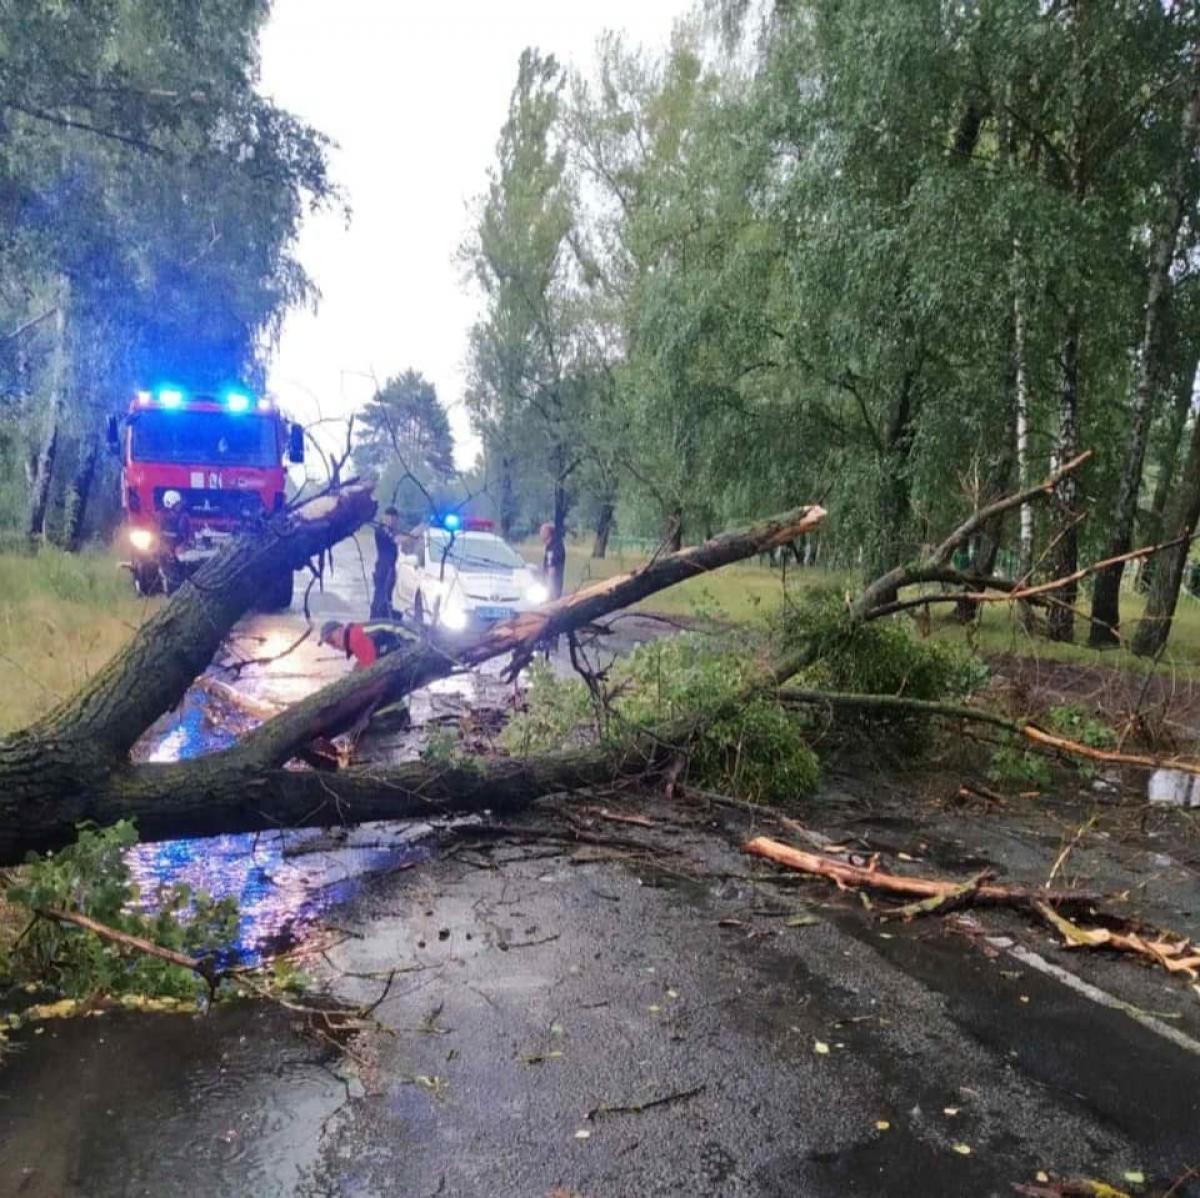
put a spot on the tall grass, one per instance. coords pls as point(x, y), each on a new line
point(62, 616)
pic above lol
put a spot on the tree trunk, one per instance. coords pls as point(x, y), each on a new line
point(39, 495)
point(562, 502)
point(1106, 595)
point(1183, 510)
point(508, 499)
point(1020, 362)
point(673, 532)
point(986, 543)
point(604, 523)
point(72, 765)
point(1065, 557)
point(78, 495)
point(894, 498)
point(1184, 387)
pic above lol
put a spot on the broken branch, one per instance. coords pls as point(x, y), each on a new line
point(855, 875)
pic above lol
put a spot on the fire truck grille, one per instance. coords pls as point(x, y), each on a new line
point(202, 503)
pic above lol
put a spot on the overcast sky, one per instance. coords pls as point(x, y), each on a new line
point(414, 94)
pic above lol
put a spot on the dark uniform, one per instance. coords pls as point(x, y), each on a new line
point(553, 561)
point(175, 530)
point(385, 574)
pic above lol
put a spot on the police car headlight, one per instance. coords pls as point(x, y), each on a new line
point(142, 539)
point(537, 593)
point(454, 616)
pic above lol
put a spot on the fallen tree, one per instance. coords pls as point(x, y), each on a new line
point(73, 765)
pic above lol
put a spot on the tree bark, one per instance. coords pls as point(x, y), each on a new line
point(1021, 365)
point(1106, 595)
point(986, 542)
point(78, 495)
point(508, 499)
point(562, 503)
point(72, 765)
point(894, 498)
point(673, 531)
point(43, 472)
point(1183, 510)
point(604, 523)
point(39, 495)
point(1064, 559)
point(1184, 387)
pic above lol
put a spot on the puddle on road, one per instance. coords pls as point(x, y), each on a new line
point(284, 881)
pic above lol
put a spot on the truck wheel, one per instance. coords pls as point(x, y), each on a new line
point(279, 596)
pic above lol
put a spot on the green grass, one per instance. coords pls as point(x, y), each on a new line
point(62, 616)
point(748, 592)
point(740, 593)
point(999, 631)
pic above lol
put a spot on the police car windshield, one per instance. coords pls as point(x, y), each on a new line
point(474, 551)
point(204, 438)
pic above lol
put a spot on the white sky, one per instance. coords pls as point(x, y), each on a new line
point(414, 93)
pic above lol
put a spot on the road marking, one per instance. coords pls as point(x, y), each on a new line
point(1034, 961)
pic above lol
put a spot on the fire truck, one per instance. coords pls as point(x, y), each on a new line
point(196, 468)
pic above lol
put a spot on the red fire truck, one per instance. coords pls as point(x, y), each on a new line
point(197, 467)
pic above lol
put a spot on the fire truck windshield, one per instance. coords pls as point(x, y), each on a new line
point(204, 438)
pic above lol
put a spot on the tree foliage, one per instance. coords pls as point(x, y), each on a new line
point(150, 193)
point(404, 437)
point(895, 255)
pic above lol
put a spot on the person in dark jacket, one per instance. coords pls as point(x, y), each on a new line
point(384, 580)
point(554, 560)
point(175, 529)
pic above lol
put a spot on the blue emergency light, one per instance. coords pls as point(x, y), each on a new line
point(452, 521)
point(170, 397)
point(237, 401)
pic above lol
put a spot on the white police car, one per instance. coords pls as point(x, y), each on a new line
point(458, 575)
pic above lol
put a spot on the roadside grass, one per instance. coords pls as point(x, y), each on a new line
point(62, 616)
point(750, 592)
point(999, 632)
point(741, 594)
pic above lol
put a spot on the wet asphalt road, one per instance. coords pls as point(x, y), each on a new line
point(778, 1040)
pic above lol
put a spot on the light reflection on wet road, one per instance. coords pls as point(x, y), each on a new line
point(282, 881)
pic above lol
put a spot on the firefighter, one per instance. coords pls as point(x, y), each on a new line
point(175, 530)
point(384, 579)
point(366, 643)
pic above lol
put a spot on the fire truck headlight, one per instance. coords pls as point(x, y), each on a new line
point(142, 539)
point(537, 593)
